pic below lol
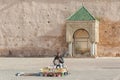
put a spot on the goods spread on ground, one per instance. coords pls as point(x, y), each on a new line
point(47, 72)
point(56, 72)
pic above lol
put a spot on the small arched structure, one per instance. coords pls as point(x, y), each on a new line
point(82, 33)
point(81, 43)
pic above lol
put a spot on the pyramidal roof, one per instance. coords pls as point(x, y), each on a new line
point(81, 15)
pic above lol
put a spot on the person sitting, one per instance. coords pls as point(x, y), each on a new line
point(58, 61)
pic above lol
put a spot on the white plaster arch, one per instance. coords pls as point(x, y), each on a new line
point(91, 27)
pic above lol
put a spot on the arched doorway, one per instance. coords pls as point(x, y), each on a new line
point(81, 43)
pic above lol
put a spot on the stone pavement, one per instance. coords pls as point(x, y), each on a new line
point(79, 68)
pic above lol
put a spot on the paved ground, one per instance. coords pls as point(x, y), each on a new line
point(80, 69)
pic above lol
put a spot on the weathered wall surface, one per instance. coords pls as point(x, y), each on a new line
point(37, 27)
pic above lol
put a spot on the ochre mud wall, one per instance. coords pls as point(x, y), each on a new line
point(37, 27)
point(109, 44)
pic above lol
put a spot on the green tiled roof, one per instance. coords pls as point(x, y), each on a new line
point(81, 15)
